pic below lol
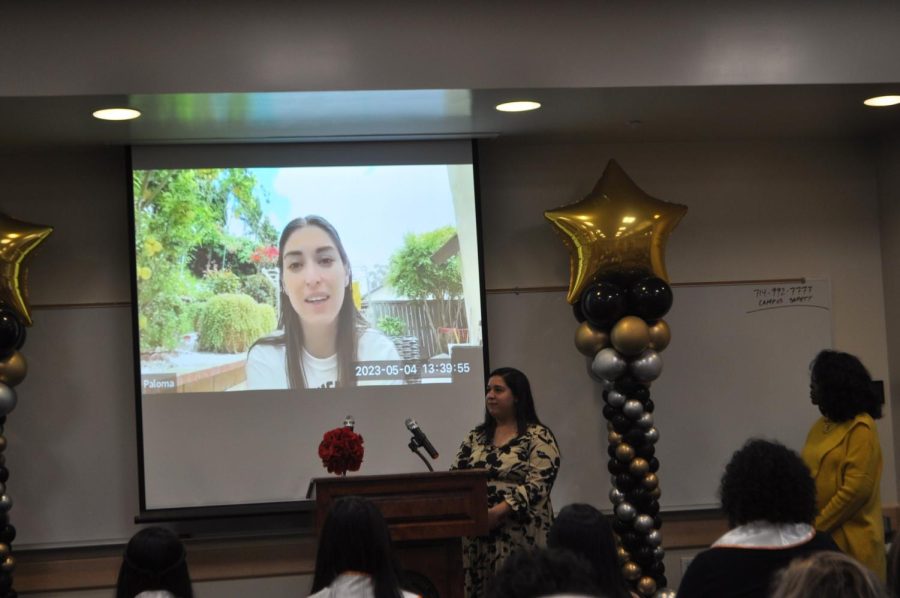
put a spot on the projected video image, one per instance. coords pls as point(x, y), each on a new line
point(306, 278)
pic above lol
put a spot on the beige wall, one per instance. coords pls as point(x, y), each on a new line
point(757, 210)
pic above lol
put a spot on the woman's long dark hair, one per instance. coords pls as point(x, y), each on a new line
point(843, 387)
point(349, 319)
point(584, 530)
point(521, 390)
point(154, 560)
point(356, 538)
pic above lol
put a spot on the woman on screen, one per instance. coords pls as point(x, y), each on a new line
point(843, 452)
point(321, 334)
point(522, 457)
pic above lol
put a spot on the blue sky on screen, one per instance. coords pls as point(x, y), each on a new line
point(372, 207)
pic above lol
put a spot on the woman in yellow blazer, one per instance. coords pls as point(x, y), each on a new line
point(844, 456)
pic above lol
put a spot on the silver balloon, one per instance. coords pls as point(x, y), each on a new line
point(633, 409)
point(616, 496)
point(648, 366)
point(651, 435)
point(615, 398)
point(6, 503)
point(608, 364)
point(8, 399)
point(665, 593)
point(645, 421)
point(654, 538)
point(626, 512)
point(643, 524)
point(659, 553)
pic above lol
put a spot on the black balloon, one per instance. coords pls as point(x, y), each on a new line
point(12, 333)
point(657, 522)
point(603, 304)
point(610, 412)
point(5, 583)
point(7, 534)
point(644, 556)
point(654, 464)
point(655, 568)
point(645, 452)
point(4, 474)
point(635, 437)
point(621, 424)
point(611, 450)
point(630, 541)
point(661, 581)
point(625, 482)
point(653, 508)
point(616, 467)
point(649, 405)
point(641, 393)
point(628, 386)
point(650, 298)
point(576, 310)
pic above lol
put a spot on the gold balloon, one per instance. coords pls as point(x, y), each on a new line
point(639, 466)
point(631, 570)
point(17, 240)
point(589, 340)
point(2, 443)
point(646, 586)
point(624, 453)
point(622, 555)
point(650, 481)
point(9, 564)
point(614, 437)
point(616, 227)
point(660, 335)
point(13, 369)
point(630, 335)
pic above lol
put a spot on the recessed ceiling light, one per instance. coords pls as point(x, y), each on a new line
point(117, 114)
point(880, 101)
point(518, 106)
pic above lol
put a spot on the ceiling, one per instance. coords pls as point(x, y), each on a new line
point(611, 114)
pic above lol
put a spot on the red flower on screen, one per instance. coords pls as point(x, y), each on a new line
point(341, 450)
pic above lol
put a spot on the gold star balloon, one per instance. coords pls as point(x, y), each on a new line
point(617, 227)
point(17, 240)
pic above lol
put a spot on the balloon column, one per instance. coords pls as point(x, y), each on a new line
point(17, 240)
point(616, 238)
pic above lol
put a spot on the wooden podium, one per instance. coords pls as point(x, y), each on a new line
point(427, 514)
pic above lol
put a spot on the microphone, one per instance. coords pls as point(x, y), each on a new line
point(420, 438)
point(349, 422)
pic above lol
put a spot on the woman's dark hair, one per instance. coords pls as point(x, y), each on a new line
point(584, 530)
point(349, 319)
point(154, 560)
point(527, 573)
point(356, 538)
point(841, 387)
point(521, 390)
point(767, 481)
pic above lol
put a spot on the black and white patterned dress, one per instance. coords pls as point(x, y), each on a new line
point(522, 473)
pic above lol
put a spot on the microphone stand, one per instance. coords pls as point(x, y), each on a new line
point(414, 446)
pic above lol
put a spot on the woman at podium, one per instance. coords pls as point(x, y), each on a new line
point(522, 458)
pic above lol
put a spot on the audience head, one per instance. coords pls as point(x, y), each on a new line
point(356, 538)
point(543, 572)
point(154, 561)
point(893, 568)
point(827, 575)
point(841, 387)
point(767, 481)
point(584, 530)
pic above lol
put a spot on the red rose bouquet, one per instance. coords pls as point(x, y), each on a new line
point(341, 450)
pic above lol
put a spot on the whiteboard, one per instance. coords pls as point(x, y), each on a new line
point(737, 367)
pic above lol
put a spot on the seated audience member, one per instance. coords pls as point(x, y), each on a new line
point(893, 569)
point(154, 566)
point(827, 575)
point(533, 572)
point(354, 558)
point(584, 530)
point(769, 497)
